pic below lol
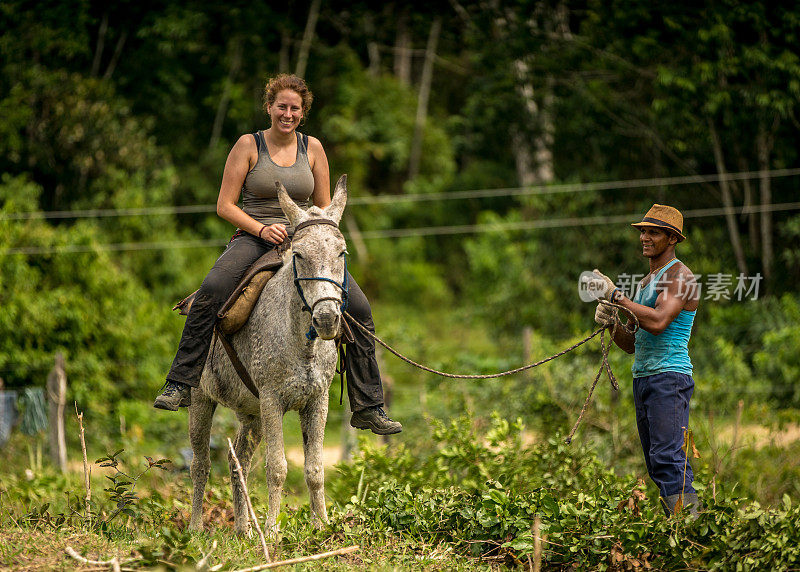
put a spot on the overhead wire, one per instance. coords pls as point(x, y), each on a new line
point(425, 197)
point(407, 232)
point(417, 231)
point(562, 222)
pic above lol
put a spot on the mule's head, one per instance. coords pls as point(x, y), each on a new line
point(319, 258)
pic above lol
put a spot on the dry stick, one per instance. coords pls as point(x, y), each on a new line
point(202, 564)
point(537, 544)
point(250, 510)
point(686, 436)
point(114, 562)
point(8, 512)
point(86, 475)
point(320, 556)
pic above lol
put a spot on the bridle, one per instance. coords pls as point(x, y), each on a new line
point(342, 301)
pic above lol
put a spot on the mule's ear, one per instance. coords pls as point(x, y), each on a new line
point(334, 210)
point(294, 213)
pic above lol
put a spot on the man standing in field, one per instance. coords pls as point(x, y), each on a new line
point(665, 305)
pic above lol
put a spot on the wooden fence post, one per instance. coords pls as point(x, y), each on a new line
point(57, 398)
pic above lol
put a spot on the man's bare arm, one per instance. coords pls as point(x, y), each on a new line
point(624, 339)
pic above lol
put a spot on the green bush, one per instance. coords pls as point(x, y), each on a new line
point(480, 490)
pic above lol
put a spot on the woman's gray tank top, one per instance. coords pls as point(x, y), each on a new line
point(259, 196)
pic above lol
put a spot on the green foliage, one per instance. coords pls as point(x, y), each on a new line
point(121, 491)
point(113, 107)
point(77, 512)
point(767, 471)
point(777, 360)
point(169, 545)
point(113, 334)
point(481, 491)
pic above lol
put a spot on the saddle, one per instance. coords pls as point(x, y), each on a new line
point(236, 310)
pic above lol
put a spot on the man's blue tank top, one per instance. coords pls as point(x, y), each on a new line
point(669, 350)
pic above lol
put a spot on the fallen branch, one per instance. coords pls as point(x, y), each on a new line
point(249, 503)
point(202, 564)
point(114, 562)
point(320, 556)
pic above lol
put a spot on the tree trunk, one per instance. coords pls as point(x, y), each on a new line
point(225, 98)
point(57, 398)
point(372, 47)
point(727, 199)
point(764, 141)
point(308, 36)
point(402, 52)
point(356, 237)
point(283, 54)
point(101, 42)
point(415, 157)
point(534, 160)
point(748, 203)
point(112, 65)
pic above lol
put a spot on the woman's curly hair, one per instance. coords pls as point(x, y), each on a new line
point(287, 81)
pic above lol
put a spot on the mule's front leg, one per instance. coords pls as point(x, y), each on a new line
point(312, 422)
point(272, 431)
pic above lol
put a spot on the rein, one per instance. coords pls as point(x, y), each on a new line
point(312, 332)
point(604, 365)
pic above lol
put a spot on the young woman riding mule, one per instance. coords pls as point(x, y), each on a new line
point(256, 162)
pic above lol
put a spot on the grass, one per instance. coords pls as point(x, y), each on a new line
point(29, 545)
point(547, 399)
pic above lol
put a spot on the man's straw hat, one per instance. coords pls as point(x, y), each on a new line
point(662, 216)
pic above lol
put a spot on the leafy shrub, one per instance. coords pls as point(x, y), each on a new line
point(481, 490)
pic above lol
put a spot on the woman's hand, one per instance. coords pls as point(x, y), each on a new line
point(274, 233)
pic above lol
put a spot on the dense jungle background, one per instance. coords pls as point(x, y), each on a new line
point(495, 150)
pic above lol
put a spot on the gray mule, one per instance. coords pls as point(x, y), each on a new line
point(289, 370)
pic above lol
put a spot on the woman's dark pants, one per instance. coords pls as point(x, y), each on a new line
point(363, 377)
point(662, 414)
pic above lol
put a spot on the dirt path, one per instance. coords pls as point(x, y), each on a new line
point(757, 436)
point(330, 456)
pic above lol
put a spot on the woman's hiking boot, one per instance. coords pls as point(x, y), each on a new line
point(376, 420)
point(173, 395)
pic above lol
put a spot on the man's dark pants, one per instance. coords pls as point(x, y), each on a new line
point(363, 377)
point(662, 413)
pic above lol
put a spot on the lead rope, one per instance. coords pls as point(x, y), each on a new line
point(603, 366)
point(630, 329)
